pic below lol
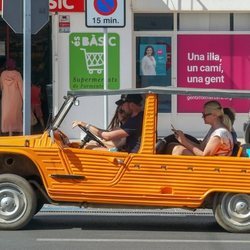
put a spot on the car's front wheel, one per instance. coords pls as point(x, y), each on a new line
point(17, 202)
point(232, 212)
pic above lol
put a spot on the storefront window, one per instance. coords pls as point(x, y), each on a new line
point(153, 21)
point(11, 46)
point(153, 65)
point(204, 22)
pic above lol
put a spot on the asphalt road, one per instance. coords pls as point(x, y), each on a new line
point(65, 231)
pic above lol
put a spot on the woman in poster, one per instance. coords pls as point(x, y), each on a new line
point(148, 63)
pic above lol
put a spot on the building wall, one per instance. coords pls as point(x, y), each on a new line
point(199, 17)
point(61, 66)
point(190, 5)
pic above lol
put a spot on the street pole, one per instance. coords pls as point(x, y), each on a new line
point(26, 66)
point(105, 75)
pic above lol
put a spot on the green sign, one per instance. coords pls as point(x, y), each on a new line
point(86, 60)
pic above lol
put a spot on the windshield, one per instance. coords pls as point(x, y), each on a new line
point(69, 100)
point(90, 109)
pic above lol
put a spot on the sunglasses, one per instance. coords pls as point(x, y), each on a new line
point(205, 115)
point(121, 111)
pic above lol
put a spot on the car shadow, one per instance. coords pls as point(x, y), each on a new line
point(189, 223)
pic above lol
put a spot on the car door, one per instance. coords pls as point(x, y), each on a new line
point(90, 172)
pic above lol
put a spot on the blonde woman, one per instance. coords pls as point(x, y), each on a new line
point(218, 140)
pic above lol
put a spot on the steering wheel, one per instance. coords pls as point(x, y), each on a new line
point(89, 136)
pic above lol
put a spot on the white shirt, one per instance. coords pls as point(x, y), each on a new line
point(148, 65)
point(226, 145)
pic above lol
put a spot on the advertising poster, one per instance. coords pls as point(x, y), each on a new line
point(213, 61)
point(86, 61)
point(153, 59)
point(154, 66)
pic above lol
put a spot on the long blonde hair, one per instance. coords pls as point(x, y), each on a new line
point(215, 108)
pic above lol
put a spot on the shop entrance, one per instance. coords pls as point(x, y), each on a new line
point(11, 46)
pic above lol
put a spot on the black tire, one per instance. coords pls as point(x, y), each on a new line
point(232, 212)
point(17, 202)
point(40, 202)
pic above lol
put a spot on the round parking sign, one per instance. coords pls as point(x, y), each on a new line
point(105, 13)
point(105, 7)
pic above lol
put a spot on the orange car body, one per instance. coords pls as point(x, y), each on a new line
point(67, 174)
point(71, 174)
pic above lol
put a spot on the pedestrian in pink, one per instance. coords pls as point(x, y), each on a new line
point(12, 99)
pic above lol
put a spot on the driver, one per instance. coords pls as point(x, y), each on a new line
point(131, 129)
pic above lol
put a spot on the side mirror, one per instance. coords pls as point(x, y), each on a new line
point(76, 102)
point(51, 134)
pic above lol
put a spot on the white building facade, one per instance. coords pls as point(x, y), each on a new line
point(197, 43)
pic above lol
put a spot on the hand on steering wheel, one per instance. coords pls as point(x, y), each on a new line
point(91, 135)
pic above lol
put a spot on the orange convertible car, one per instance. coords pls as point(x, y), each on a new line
point(49, 168)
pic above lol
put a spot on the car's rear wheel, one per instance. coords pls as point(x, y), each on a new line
point(232, 212)
point(17, 202)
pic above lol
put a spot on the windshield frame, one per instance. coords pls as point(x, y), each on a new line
point(63, 111)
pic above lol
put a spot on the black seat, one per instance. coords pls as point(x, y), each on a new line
point(160, 146)
point(236, 149)
point(162, 143)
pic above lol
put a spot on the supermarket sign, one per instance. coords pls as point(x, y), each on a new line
point(63, 5)
point(86, 65)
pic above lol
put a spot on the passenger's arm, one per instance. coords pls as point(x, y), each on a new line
point(212, 146)
point(210, 149)
point(180, 136)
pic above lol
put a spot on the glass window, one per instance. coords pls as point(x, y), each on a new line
point(153, 21)
point(204, 22)
point(242, 21)
point(153, 65)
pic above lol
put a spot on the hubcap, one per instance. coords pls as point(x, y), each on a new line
point(236, 208)
point(241, 207)
point(13, 203)
point(7, 204)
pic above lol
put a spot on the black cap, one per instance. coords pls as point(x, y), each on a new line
point(135, 98)
point(121, 101)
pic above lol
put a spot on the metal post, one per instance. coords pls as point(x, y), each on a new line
point(55, 71)
point(105, 74)
point(26, 66)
